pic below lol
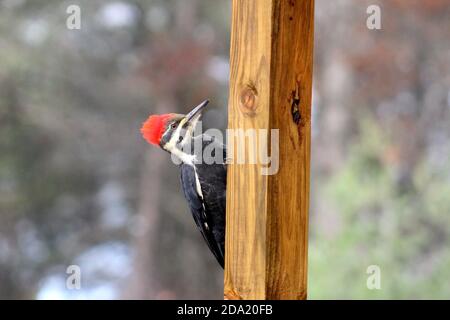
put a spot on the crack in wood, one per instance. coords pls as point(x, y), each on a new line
point(295, 106)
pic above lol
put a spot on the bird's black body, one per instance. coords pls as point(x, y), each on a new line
point(207, 205)
point(203, 171)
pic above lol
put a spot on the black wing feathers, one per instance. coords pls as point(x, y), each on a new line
point(204, 221)
point(209, 212)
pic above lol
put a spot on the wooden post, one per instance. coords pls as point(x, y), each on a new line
point(271, 60)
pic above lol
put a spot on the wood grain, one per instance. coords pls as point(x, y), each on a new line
point(271, 60)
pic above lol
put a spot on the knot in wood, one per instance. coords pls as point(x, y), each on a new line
point(248, 101)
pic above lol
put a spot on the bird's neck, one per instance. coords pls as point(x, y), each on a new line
point(185, 157)
point(185, 150)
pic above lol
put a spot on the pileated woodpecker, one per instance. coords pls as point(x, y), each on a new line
point(204, 185)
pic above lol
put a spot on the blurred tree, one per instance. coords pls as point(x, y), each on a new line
point(392, 86)
point(73, 164)
point(78, 185)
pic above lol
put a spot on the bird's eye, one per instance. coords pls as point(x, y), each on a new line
point(173, 125)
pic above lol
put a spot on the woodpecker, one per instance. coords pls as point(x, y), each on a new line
point(204, 185)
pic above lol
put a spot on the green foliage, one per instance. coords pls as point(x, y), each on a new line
point(404, 233)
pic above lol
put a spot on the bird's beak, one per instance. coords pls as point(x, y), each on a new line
point(196, 111)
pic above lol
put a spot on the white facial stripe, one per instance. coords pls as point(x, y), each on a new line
point(172, 145)
point(175, 136)
point(190, 130)
point(167, 131)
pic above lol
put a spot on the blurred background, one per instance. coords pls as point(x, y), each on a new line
point(78, 184)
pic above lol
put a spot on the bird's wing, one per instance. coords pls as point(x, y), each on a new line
point(203, 222)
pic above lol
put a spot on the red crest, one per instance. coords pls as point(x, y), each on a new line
point(153, 129)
